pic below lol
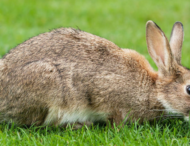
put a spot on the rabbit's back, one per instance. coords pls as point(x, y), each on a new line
point(69, 46)
point(64, 43)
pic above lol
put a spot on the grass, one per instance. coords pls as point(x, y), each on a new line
point(169, 132)
point(122, 22)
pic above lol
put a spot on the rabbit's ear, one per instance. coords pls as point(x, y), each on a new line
point(158, 47)
point(176, 41)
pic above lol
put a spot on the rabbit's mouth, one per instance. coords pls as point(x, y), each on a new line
point(186, 118)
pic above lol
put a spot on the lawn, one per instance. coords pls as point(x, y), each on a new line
point(122, 22)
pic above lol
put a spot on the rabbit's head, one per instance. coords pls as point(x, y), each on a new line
point(173, 82)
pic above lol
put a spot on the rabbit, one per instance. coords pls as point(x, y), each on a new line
point(68, 76)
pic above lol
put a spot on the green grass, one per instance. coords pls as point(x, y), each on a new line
point(122, 22)
point(173, 132)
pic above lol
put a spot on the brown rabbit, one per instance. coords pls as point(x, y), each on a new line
point(70, 76)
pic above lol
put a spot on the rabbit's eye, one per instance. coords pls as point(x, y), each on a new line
point(188, 89)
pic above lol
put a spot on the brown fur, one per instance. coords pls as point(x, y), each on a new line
point(71, 70)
